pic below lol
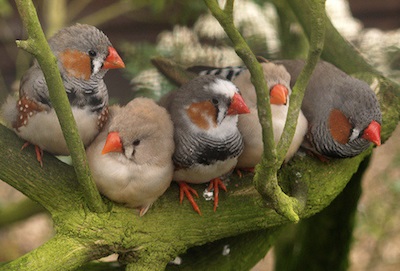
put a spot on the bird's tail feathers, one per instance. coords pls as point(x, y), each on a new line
point(9, 111)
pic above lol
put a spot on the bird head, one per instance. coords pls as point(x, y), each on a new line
point(352, 137)
point(142, 132)
point(84, 51)
point(211, 100)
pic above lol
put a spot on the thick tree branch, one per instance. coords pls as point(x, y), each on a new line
point(60, 253)
point(38, 46)
point(120, 230)
point(19, 211)
point(337, 50)
point(46, 186)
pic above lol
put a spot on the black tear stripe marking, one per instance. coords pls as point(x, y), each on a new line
point(71, 96)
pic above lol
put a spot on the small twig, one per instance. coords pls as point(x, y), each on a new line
point(265, 179)
point(38, 46)
point(55, 16)
point(110, 12)
point(225, 18)
point(317, 38)
point(75, 7)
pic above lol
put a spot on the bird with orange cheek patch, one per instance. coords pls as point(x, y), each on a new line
point(84, 55)
point(131, 159)
point(278, 81)
point(343, 112)
point(207, 141)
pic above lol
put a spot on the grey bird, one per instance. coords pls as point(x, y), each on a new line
point(205, 113)
point(278, 81)
point(84, 55)
point(131, 159)
point(343, 112)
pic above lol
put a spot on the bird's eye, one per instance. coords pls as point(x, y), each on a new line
point(215, 101)
point(136, 142)
point(92, 53)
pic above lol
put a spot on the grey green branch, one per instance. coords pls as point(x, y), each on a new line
point(265, 179)
point(38, 46)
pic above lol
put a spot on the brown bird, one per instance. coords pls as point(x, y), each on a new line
point(205, 114)
point(131, 159)
point(84, 55)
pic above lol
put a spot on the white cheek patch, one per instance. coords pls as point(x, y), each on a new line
point(97, 64)
point(355, 134)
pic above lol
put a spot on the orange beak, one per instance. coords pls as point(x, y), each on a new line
point(113, 60)
point(238, 106)
point(278, 94)
point(113, 143)
point(373, 133)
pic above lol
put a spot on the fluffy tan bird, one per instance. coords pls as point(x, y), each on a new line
point(84, 55)
point(278, 80)
point(131, 159)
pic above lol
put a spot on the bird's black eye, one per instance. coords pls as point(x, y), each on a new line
point(136, 142)
point(215, 101)
point(92, 53)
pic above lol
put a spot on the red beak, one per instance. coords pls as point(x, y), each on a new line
point(238, 106)
point(278, 94)
point(113, 143)
point(373, 133)
point(113, 60)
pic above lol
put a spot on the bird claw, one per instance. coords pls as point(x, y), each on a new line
point(143, 210)
point(246, 169)
point(185, 189)
point(38, 151)
point(216, 184)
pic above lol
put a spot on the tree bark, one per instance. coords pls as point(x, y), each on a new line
point(322, 242)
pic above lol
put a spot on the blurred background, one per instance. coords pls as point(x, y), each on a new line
point(185, 32)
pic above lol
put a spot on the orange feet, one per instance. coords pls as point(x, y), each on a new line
point(246, 169)
point(216, 184)
point(38, 151)
point(185, 189)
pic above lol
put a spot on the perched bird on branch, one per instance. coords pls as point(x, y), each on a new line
point(205, 113)
point(343, 112)
point(278, 81)
point(84, 55)
point(131, 159)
